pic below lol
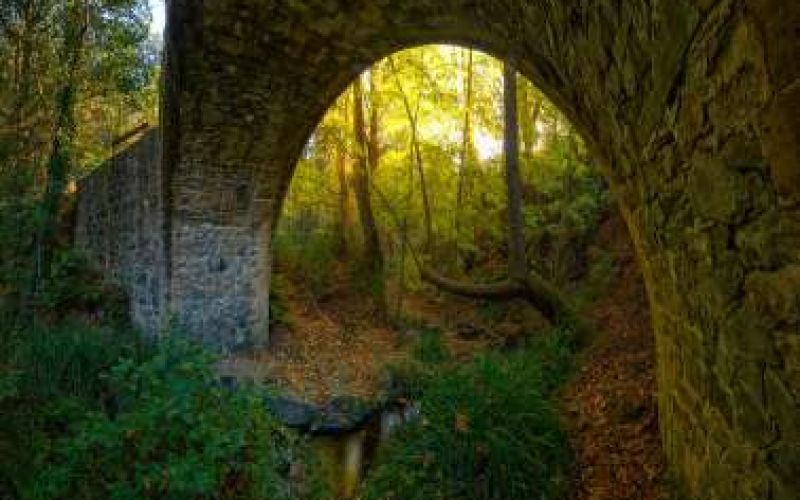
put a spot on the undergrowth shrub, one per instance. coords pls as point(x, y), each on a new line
point(429, 347)
point(174, 433)
point(599, 278)
point(55, 350)
point(75, 287)
point(50, 378)
point(489, 430)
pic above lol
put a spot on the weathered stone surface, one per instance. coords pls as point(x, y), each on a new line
point(341, 415)
point(119, 223)
point(689, 106)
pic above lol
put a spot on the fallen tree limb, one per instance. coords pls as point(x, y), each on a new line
point(537, 291)
point(505, 289)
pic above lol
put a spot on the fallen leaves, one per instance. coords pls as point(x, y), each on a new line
point(610, 406)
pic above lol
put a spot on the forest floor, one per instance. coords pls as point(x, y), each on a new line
point(332, 347)
point(610, 404)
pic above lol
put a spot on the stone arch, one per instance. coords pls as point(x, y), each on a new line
point(691, 106)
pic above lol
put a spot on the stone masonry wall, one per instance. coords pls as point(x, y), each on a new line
point(119, 224)
point(692, 108)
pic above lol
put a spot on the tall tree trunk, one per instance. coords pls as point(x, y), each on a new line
point(373, 145)
point(372, 250)
point(426, 201)
point(344, 202)
point(61, 154)
point(529, 117)
point(517, 262)
point(345, 217)
point(466, 149)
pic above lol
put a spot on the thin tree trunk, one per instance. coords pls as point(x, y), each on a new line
point(532, 107)
point(517, 262)
point(373, 145)
point(344, 204)
point(345, 216)
point(372, 250)
point(466, 145)
point(426, 203)
point(416, 153)
point(61, 155)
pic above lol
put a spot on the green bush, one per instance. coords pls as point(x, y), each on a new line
point(68, 359)
point(50, 377)
point(488, 431)
point(174, 433)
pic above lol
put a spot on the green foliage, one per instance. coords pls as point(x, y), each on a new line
point(564, 203)
point(429, 348)
point(51, 377)
point(278, 312)
point(175, 434)
point(68, 359)
point(93, 413)
point(74, 286)
point(308, 257)
point(17, 219)
point(599, 278)
point(116, 78)
point(488, 431)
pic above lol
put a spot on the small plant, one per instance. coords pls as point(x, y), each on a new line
point(278, 311)
point(429, 347)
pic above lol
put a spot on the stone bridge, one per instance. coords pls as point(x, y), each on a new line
point(692, 107)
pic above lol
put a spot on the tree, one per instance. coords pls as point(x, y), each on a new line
point(466, 153)
point(61, 155)
point(373, 258)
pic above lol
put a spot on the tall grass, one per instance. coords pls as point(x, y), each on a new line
point(489, 431)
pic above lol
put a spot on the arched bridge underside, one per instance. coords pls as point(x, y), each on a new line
point(692, 108)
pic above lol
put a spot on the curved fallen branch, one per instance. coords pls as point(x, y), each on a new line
point(537, 291)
